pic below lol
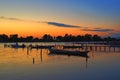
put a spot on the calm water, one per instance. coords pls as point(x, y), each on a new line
point(18, 64)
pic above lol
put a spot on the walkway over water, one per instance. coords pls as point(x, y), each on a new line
point(78, 46)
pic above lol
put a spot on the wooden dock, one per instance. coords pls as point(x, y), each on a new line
point(105, 48)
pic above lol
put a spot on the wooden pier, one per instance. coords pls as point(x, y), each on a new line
point(103, 48)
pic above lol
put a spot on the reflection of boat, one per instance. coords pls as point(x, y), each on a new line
point(69, 52)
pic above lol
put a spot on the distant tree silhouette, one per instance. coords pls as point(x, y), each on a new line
point(110, 39)
point(79, 38)
point(4, 38)
point(68, 38)
point(49, 38)
point(14, 37)
point(96, 38)
point(37, 40)
point(59, 38)
point(87, 37)
point(29, 38)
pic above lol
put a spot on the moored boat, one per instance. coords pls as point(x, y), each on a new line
point(16, 45)
point(68, 52)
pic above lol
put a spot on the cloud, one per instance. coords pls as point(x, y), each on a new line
point(15, 19)
point(18, 19)
point(62, 25)
point(98, 30)
point(57, 24)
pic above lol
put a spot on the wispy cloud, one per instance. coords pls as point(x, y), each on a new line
point(62, 25)
point(15, 19)
point(98, 30)
point(57, 24)
point(18, 19)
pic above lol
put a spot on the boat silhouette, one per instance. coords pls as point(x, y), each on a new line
point(68, 52)
point(16, 45)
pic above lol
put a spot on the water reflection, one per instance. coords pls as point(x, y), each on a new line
point(33, 60)
point(41, 57)
point(27, 64)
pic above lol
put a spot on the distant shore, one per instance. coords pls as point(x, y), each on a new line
point(65, 38)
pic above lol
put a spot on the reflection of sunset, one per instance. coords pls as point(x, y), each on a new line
point(21, 57)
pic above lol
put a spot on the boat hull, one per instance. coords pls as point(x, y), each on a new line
point(69, 53)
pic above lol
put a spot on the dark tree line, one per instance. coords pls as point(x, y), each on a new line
point(49, 38)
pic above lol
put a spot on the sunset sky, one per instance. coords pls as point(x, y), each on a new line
point(58, 17)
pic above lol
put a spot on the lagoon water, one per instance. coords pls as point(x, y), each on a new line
point(18, 64)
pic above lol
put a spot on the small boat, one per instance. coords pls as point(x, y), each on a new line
point(17, 46)
point(68, 52)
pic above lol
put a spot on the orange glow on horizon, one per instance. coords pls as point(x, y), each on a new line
point(29, 28)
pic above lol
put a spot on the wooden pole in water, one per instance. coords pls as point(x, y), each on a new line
point(40, 50)
point(95, 48)
point(118, 48)
point(91, 48)
point(114, 48)
point(33, 60)
point(109, 48)
point(100, 48)
point(104, 48)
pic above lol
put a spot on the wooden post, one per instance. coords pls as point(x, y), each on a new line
point(99, 48)
point(33, 60)
point(114, 48)
point(86, 48)
point(95, 48)
point(118, 48)
point(40, 50)
point(91, 48)
point(104, 48)
point(109, 48)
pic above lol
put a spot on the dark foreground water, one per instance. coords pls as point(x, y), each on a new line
point(18, 64)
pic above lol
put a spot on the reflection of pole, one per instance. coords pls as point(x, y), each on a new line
point(118, 48)
point(86, 62)
point(41, 55)
point(93, 55)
